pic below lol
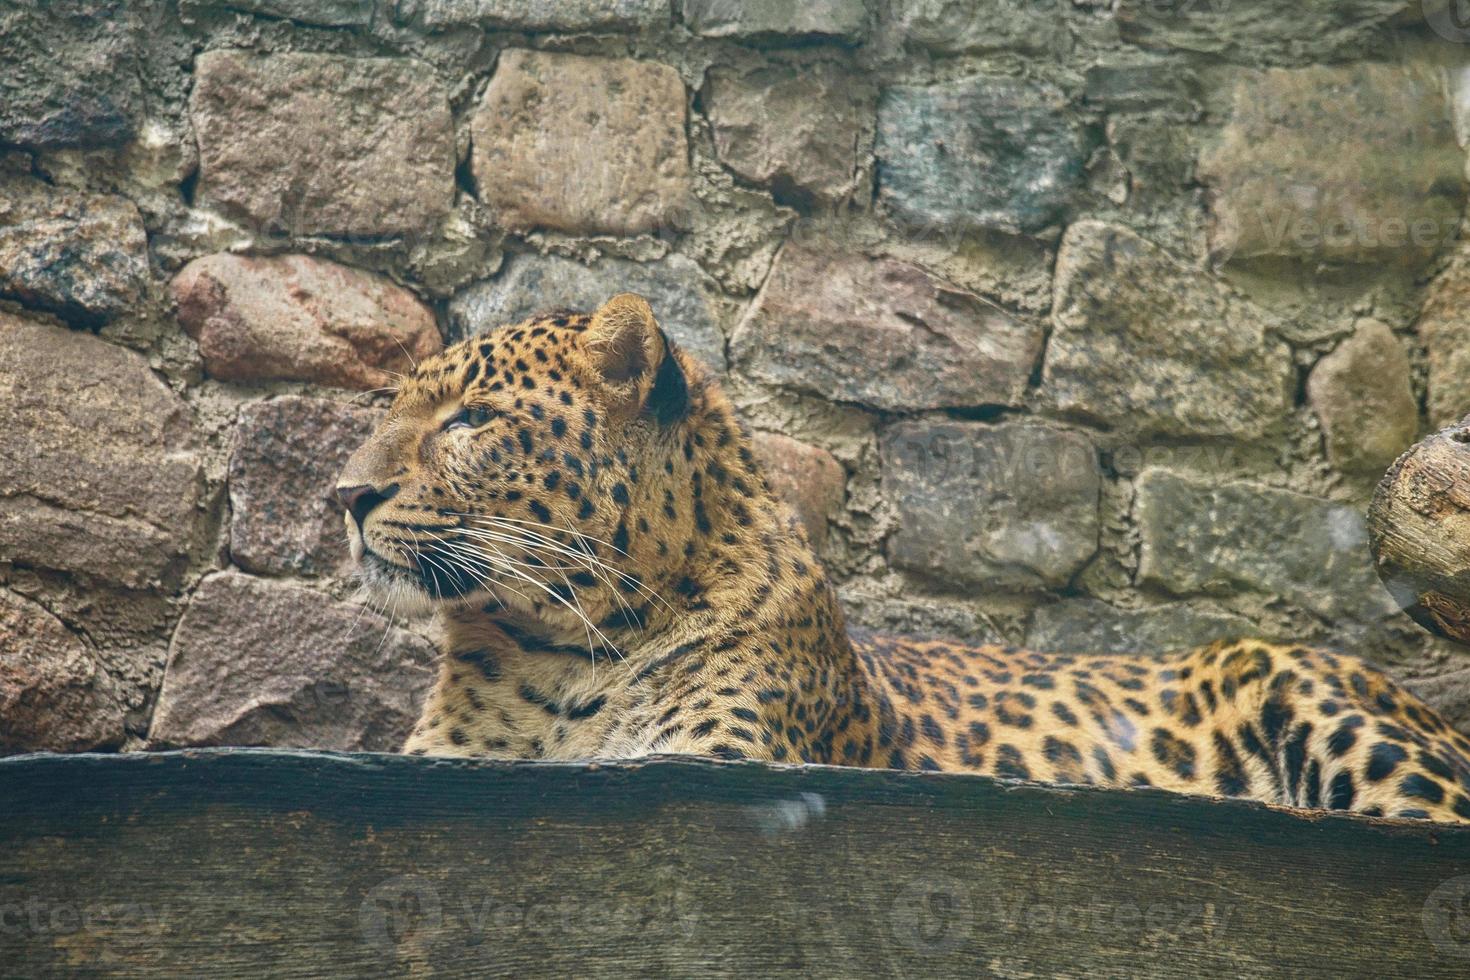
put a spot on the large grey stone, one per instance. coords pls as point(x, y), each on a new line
point(53, 695)
point(778, 20)
point(1363, 396)
point(980, 152)
point(323, 144)
point(1283, 185)
point(968, 27)
point(582, 144)
point(1012, 506)
point(681, 295)
point(99, 474)
point(1297, 31)
point(1147, 344)
point(83, 256)
point(300, 318)
point(1444, 329)
point(1209, 537)
point(284, 514)
point(1093, 626)
point(69, 72)
point(543, 15)
point(824, 321)
point(798, 130)
point(256, 662)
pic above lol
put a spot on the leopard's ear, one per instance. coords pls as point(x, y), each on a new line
point(631, 354)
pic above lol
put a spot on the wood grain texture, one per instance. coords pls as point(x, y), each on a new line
point(1419, 530)
point(248, 863)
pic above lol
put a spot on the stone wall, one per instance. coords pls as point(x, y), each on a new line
point(1084, 325)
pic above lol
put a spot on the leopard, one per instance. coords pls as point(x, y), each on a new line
point(575, 499)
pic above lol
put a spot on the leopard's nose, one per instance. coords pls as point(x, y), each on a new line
point(361, 499)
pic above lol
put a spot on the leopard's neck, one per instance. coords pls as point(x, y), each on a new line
point(713, 571)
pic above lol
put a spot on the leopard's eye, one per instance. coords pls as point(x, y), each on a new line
point(470, 417)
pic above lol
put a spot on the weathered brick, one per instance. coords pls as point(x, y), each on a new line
point(824, 320)
point(981, 152)
point(1149, 344)
point(53, 695)
point(805, 476)
point(1012, 506)
point(298, 318)
point(681, 295)
point(323, 144)
point(256, 662)
point(1363, 395)
point(82, 256)
point(797, 130)
point(1282, 186)
point(99, 474)
point(1210, 537)
point(582, 144)
point(284, 515)
point(778, 21)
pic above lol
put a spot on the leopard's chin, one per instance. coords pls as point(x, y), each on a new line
point(400, 590)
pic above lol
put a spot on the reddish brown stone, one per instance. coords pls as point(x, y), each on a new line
point(53, 696)
point(98, 470)
point(826, 323)
point(297, 318)
point(256, 662)
point(805, 476)
point(316, 143)
point(285, 518)
point(582, 144)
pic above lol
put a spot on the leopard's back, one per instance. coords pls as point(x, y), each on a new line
point(1278, 723)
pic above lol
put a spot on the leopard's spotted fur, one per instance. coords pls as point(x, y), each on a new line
point(613, 479)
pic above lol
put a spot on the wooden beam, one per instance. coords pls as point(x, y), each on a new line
point(249, 863)
point(1419, 531)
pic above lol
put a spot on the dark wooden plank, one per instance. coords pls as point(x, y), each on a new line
point(248, 863)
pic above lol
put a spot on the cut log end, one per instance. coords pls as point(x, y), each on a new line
point(1419, 531)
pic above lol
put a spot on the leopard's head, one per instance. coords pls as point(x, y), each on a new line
point(521, 466)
